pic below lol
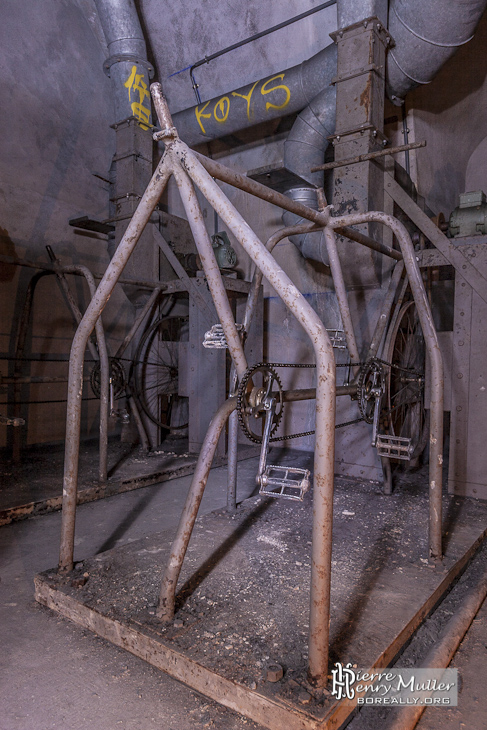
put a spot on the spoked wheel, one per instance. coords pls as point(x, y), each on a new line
point(155, 373)
point(405, 348)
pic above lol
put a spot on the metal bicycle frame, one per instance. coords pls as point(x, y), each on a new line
point(180, 161)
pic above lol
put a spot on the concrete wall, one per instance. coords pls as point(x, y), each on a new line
point(55, 115)
point(450, 113)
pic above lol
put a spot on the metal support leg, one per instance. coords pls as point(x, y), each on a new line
point(165, 610)
point(104, 370)
point(232, 455)
point(73, 418)
point(325, 413)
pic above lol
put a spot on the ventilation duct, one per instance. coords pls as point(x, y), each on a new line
point(127, 63)
point(269, 98)
point(426, 35)
point(413, 61)
point(306, 143)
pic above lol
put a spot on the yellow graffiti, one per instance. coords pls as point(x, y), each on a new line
point(200, 115)
point(222, 107)
point(264, 90)
point(135, 83)
point(247, 98)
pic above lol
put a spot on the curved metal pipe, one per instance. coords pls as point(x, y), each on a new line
point(426, 35)
point(104, 370)
point(269, 98)
point(126, 50)
point(75, 383)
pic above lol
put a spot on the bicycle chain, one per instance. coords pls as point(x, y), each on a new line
point(241, 391)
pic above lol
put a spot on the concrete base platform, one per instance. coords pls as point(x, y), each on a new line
point(243, 596)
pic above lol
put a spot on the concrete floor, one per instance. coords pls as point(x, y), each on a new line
point(53, 674)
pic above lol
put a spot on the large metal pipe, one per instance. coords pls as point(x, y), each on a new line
point(104, 371)
point(127, 63)
point(269, 98)
point(426, 35)
point(73, 417)
point(434, 353)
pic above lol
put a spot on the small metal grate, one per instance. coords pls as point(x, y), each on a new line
point(288, 482)
point(394, 447)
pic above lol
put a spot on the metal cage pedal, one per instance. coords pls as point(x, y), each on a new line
point(215, 337)
point(337, 338)
point(394, 447)
point(278, 481)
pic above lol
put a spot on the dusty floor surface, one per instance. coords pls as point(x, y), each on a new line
point(57, 675)
point(34, 487)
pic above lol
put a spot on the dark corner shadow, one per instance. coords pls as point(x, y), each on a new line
point(463, 74)
point(453, 513)
point(123, 459)
point(358, 601)
point(128, 520)
point(217, 555)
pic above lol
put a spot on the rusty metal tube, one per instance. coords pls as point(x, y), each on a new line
point(70, 484)
point(19, 355)
point(341, 295)
point(369, 156)
point(167, 596)
point(371, 243)
point(237, 180)
point(64, 286)
point(165, 609)
point(210, 267)
point(325, 410)
point(433, 349)
point(104, 372)
point(444, 649)
point(232, 461)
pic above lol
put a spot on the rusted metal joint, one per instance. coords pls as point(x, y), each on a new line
point(168, 133)
point(168, 130)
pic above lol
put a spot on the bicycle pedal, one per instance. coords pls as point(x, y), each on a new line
point(394, 447)
point(337, 338)
point(215, 337)
point(278, 481)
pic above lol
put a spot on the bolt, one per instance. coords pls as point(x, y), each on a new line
point(274, 672)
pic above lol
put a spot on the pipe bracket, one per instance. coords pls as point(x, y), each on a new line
point(127, 57)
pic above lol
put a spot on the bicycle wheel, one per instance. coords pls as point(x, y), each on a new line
point(405, 348)
point(155, 373)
